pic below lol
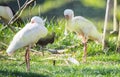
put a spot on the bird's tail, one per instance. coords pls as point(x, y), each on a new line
point(99, 38)
point(11, 49)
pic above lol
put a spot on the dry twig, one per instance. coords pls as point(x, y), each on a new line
point(18, 14)
point(18, 3)
point(105, 24)
point(3, 44)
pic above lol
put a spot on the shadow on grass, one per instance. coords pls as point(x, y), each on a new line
point(101, 71)
point(20, 74)
point(90, 72)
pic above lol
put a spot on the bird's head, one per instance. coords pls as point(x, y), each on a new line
point(69, 14)
point(37, 19)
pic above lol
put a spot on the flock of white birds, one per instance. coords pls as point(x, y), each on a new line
point(35, 29)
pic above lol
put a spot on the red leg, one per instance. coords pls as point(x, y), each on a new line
point(85, 52)
point(85, 49)
point(84, 41)
point(42, 51)
point(27, 58)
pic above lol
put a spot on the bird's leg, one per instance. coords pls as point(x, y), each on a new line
point(85, 50)
point(27, 58)
point(42, 50)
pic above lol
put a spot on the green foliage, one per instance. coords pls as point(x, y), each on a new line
point(41, 9)
point(94, 3)
point(1, 1)
point(118, 12)
point(99, 63)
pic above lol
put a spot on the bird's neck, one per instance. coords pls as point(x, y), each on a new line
point(69, 20)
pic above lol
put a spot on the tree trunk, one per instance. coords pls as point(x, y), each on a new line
point(115, 22)
point(105, 24)
point(118, 41)
point(115, 26)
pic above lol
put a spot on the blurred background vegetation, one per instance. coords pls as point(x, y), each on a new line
point(93, 9)
point(53, 6)
point(53, 9)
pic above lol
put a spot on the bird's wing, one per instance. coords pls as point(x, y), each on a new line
point(84, 24)
point(88, 28)
point(30, 34)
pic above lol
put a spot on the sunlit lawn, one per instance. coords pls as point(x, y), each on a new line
point(99, 63)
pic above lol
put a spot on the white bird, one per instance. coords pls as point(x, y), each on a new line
point(83, 28)
point(28, 36)
point(6, 13)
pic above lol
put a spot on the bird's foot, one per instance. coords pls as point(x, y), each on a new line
point(9, 54)
point(84, 61)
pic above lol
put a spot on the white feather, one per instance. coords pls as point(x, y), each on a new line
point(73, 60)
point(30, 34)
point(82, 26)
point(6, 13)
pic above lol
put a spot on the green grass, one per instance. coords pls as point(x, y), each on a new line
point(99, 63)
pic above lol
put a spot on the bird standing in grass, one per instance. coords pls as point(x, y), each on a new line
point(28, 36)
point(83, 28)
point(6, 13)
